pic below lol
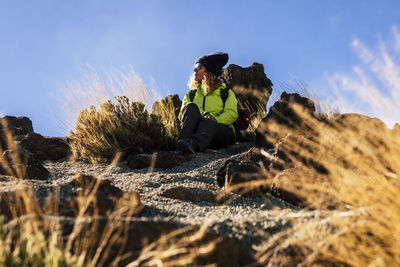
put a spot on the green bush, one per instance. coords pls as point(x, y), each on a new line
point(117, 127)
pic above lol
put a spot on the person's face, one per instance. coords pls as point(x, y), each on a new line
point(199, 73)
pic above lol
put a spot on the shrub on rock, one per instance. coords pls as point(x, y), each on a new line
point(117, 127)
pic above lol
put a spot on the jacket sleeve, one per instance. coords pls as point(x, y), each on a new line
point(230, 114)
point(184, 103)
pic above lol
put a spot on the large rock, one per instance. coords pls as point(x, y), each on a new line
point(93, 196)
point(285, 113)
point(250, 84)
point(13, 127)
point(234, 172)
point(313, 152)
point(243, 169)
point(159, 241)
point(45, 148)
point(137, 233)
point(22, 164)
point(16, 125)
point(253, 174)
point(107, 197)
point(252, 88)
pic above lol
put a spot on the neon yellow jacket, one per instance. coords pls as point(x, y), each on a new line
point(212, 104)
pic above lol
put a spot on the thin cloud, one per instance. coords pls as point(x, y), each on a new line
point(373, 85)
point(396, 35)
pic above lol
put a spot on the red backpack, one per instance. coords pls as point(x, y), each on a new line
point(242, 122)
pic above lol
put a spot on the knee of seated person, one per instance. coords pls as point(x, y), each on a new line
point(191, 106)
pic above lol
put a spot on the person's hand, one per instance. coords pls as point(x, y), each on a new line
point(208, 116)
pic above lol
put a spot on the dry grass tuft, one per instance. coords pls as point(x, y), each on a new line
point(182, 247)
point(122, 127)
point(112, 116)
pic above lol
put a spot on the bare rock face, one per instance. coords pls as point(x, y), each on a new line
point(22, 164)
point(235, 172)
point(252, 175)
point(252, 88)
point(244, 169)
point(161, 159)
point(11, 126)
point(45, 148)
point(250, 84)
point(108, 198)
point(99, 197)
point(283, 113)
point(23, 150)
point(227, 251)
point(16, 125)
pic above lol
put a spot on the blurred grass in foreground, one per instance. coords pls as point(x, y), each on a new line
point(349, 163)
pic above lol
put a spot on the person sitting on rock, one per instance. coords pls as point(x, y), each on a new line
point(206, 120)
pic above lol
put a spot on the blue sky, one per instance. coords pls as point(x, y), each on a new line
point(45, 44)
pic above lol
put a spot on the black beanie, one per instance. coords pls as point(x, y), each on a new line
point(214, 62)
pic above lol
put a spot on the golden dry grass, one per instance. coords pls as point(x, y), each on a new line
point(182, 247)
point(360, 157)
point(123, 127)
point(96, 88)
point(32, 236)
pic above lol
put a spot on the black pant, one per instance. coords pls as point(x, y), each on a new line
point(206, 132)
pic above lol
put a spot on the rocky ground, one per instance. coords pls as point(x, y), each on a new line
point(251, 220)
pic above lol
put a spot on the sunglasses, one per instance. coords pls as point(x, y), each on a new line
point(197, 66)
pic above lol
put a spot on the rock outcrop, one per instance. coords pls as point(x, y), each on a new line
point(45, 148)
point(106, 198)
point(24, 150)
point(253, 175)
point(138, 233)
point(15, 125)
point(288, 112)
point(253, 89)
point(250, 85)
point(22, 164)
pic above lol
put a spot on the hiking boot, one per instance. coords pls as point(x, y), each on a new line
point(187, 146)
